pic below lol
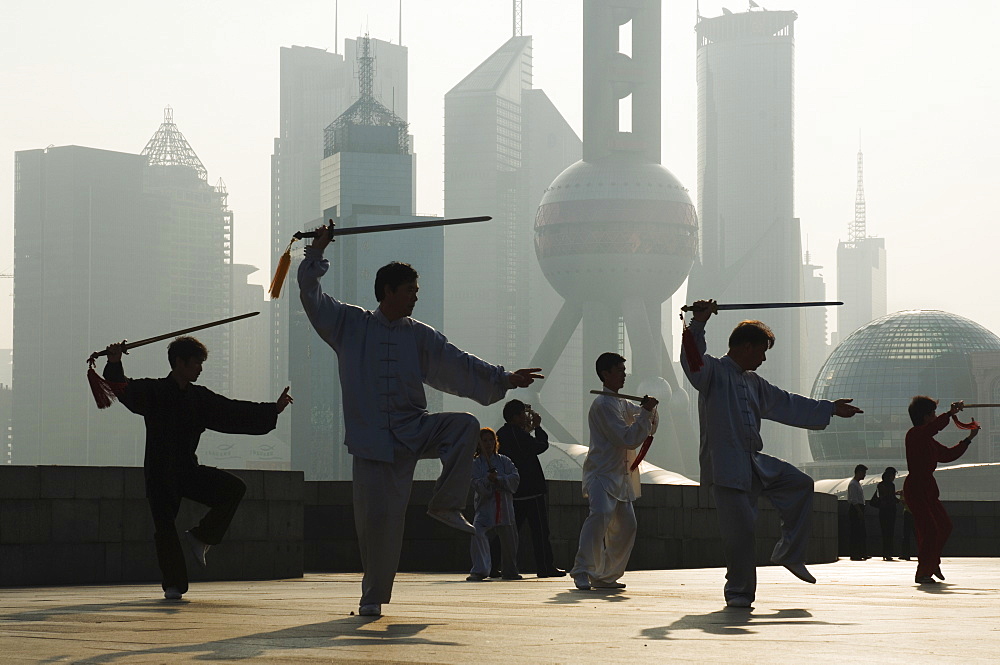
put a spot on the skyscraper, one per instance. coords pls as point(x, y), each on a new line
point(504, 142)
point(817, 348)
point(110, 245)
point(861, 280)
point(751, 248)
point(316, 87)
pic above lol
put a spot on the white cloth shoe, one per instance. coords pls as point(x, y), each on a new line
point(582, 581)
point(453, 518)
point(172, 593)
point(198, 549)
point(372, 610)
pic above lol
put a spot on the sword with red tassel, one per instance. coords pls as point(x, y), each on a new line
point(694, 357)
point(644, 448)
point(285, 262)
point(105, 392)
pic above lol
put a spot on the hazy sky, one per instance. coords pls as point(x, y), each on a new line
point(917, 79)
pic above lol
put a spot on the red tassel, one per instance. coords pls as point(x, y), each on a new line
point(104, 392)
point(960, 425)
point(695, 361)
point(643, 449)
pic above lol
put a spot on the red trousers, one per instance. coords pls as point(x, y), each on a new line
point(930, 521)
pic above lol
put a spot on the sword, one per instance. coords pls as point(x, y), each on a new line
point(104, 392)
point(622, 395)
point(375, 228)
point(981, 406)
point(761, 305)
point(159, 338)
point(285, 260)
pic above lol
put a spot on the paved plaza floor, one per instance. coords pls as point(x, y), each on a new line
point(859, 612)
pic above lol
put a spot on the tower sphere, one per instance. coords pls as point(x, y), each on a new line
point(604, 229)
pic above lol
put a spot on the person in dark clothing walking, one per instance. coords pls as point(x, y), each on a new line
point(885, 500)
point(522, 439)
point(177, 411)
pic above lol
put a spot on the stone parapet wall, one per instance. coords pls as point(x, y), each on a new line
point(91, 525)
point(677, 529)
point(976, 530)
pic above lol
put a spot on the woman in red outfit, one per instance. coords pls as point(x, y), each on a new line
point(931, 522)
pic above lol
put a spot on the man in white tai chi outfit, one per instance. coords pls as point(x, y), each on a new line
point(617, 428)
point(386, 357)
point(732, 400)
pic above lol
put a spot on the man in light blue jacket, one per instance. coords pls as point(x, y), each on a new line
point(385, 358)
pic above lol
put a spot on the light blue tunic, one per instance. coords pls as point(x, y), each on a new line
point(384, 366)
point(485, 497)
point(731, 403)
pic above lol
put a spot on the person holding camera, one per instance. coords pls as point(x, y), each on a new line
point(930, 520)
point(494, 479)
point(522, 439)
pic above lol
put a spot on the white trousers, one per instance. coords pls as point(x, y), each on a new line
point(606, 538)
point(382, 492)
point(479, 549)
point(791, 493)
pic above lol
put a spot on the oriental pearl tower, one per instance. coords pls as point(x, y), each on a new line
point(616, 233)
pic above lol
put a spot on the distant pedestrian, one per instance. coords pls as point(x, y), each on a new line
point(931, 521)
point(885, 500)
point(856, 515)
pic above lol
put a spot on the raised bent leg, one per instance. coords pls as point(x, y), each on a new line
point(791, 493)
point(451, 437)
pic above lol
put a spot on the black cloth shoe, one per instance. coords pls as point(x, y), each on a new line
point(555, 572)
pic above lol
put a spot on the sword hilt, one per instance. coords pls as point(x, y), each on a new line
point(299, 235)
point(692, 308)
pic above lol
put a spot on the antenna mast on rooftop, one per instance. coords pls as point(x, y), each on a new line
point(518, 18)
point(858, 230)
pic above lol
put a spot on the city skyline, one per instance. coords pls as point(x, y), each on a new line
point(923, 119)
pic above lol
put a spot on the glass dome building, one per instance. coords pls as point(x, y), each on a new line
point(882, 365)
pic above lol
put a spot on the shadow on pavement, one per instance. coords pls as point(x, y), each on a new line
point(346, 632)
point(944, 588)
point(571, 596)
point(731, 621)
point(108, 610)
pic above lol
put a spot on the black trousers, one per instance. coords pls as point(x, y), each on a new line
point(220, 490)
point(858, 534)
point(887, 520)
point(907, 533)
point(536, 512)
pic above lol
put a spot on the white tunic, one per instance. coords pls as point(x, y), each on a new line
point(384, 366)
point(617, 428)
point(731, 403)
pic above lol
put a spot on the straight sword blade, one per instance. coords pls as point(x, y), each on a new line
point(764, 305)
point(400, 226)
point(176, 333)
